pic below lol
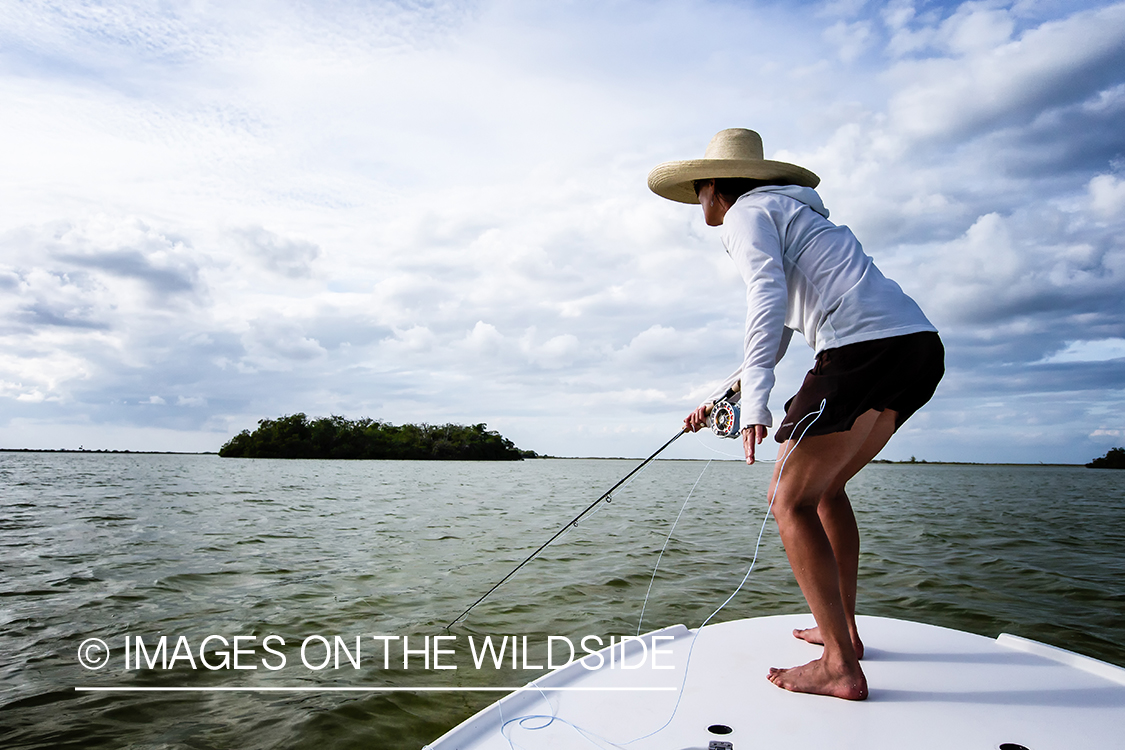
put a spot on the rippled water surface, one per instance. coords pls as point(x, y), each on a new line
point(110, 546)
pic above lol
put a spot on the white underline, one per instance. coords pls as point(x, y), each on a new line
point(357, 689)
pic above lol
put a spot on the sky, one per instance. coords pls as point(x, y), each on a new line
point(216, 213)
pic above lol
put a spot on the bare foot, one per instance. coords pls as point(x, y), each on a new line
point(812, 635)
point(819, 678)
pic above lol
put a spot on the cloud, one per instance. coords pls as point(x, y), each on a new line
point(852, 39)
point(90, 254)
point(290, 257)
point(484, 339)
point(988, 82)
point(1090, 351)
point(433, 212)
point(273, 344)
point(555, 353)
point(657, 346)
point(1107, 196)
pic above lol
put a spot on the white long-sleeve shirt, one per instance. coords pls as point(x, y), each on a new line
point(803, 273)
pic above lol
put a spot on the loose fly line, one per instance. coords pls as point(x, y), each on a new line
point(591, 737)
point(607, 495)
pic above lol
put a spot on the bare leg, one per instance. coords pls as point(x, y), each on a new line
point(843, 534)
point(837, 672)
point(815, 473)
point(836, 515)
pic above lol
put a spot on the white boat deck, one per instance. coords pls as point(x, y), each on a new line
point(930, 687)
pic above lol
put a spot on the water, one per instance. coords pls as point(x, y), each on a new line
point(113, 545)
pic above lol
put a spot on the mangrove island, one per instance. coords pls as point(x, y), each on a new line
point(1113, 459)
point(297, 436)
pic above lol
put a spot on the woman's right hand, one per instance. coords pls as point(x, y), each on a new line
point(698, 418)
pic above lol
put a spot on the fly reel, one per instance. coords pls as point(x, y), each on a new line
point(724, 419)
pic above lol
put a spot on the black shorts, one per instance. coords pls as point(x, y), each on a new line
point(899, 373)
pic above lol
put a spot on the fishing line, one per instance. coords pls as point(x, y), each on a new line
point(607, 495)
point(586, 734)
point(666, 540)
point(700, 440)
point(553, 716)
point(761, 532)
point(550, 719)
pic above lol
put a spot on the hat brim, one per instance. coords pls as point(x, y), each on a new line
point(673, 180)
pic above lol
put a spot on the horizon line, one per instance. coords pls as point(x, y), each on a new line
point(537, 458)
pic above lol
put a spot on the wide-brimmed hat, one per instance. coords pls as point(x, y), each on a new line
point(736, 152)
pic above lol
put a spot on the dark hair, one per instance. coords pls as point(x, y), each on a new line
point(731, 189)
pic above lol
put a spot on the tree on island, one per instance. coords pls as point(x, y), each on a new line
point(1114, 459)
point(296, 436)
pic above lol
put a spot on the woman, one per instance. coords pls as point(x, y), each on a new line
point(878, 359)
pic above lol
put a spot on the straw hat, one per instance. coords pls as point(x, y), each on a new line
point(736, 152)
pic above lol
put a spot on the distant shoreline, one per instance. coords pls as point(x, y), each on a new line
point(104, 451)
point(537, 458)
point(876, 461)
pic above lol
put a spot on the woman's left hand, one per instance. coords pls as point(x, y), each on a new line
point(751, 436)
point(698, 418)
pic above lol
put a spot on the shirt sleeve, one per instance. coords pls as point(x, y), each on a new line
point(736, 376)
point(725, 386)
point(752, 241)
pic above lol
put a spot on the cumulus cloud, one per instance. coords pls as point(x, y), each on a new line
point(273, 344)
point(987, 81)
point(484, 339)
point(554, 353)
point(437, 212)
point(660, 347)
point(851, 39)
point(291, 257)
point(1107, 196)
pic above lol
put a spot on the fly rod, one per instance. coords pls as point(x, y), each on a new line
point(573, 522)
